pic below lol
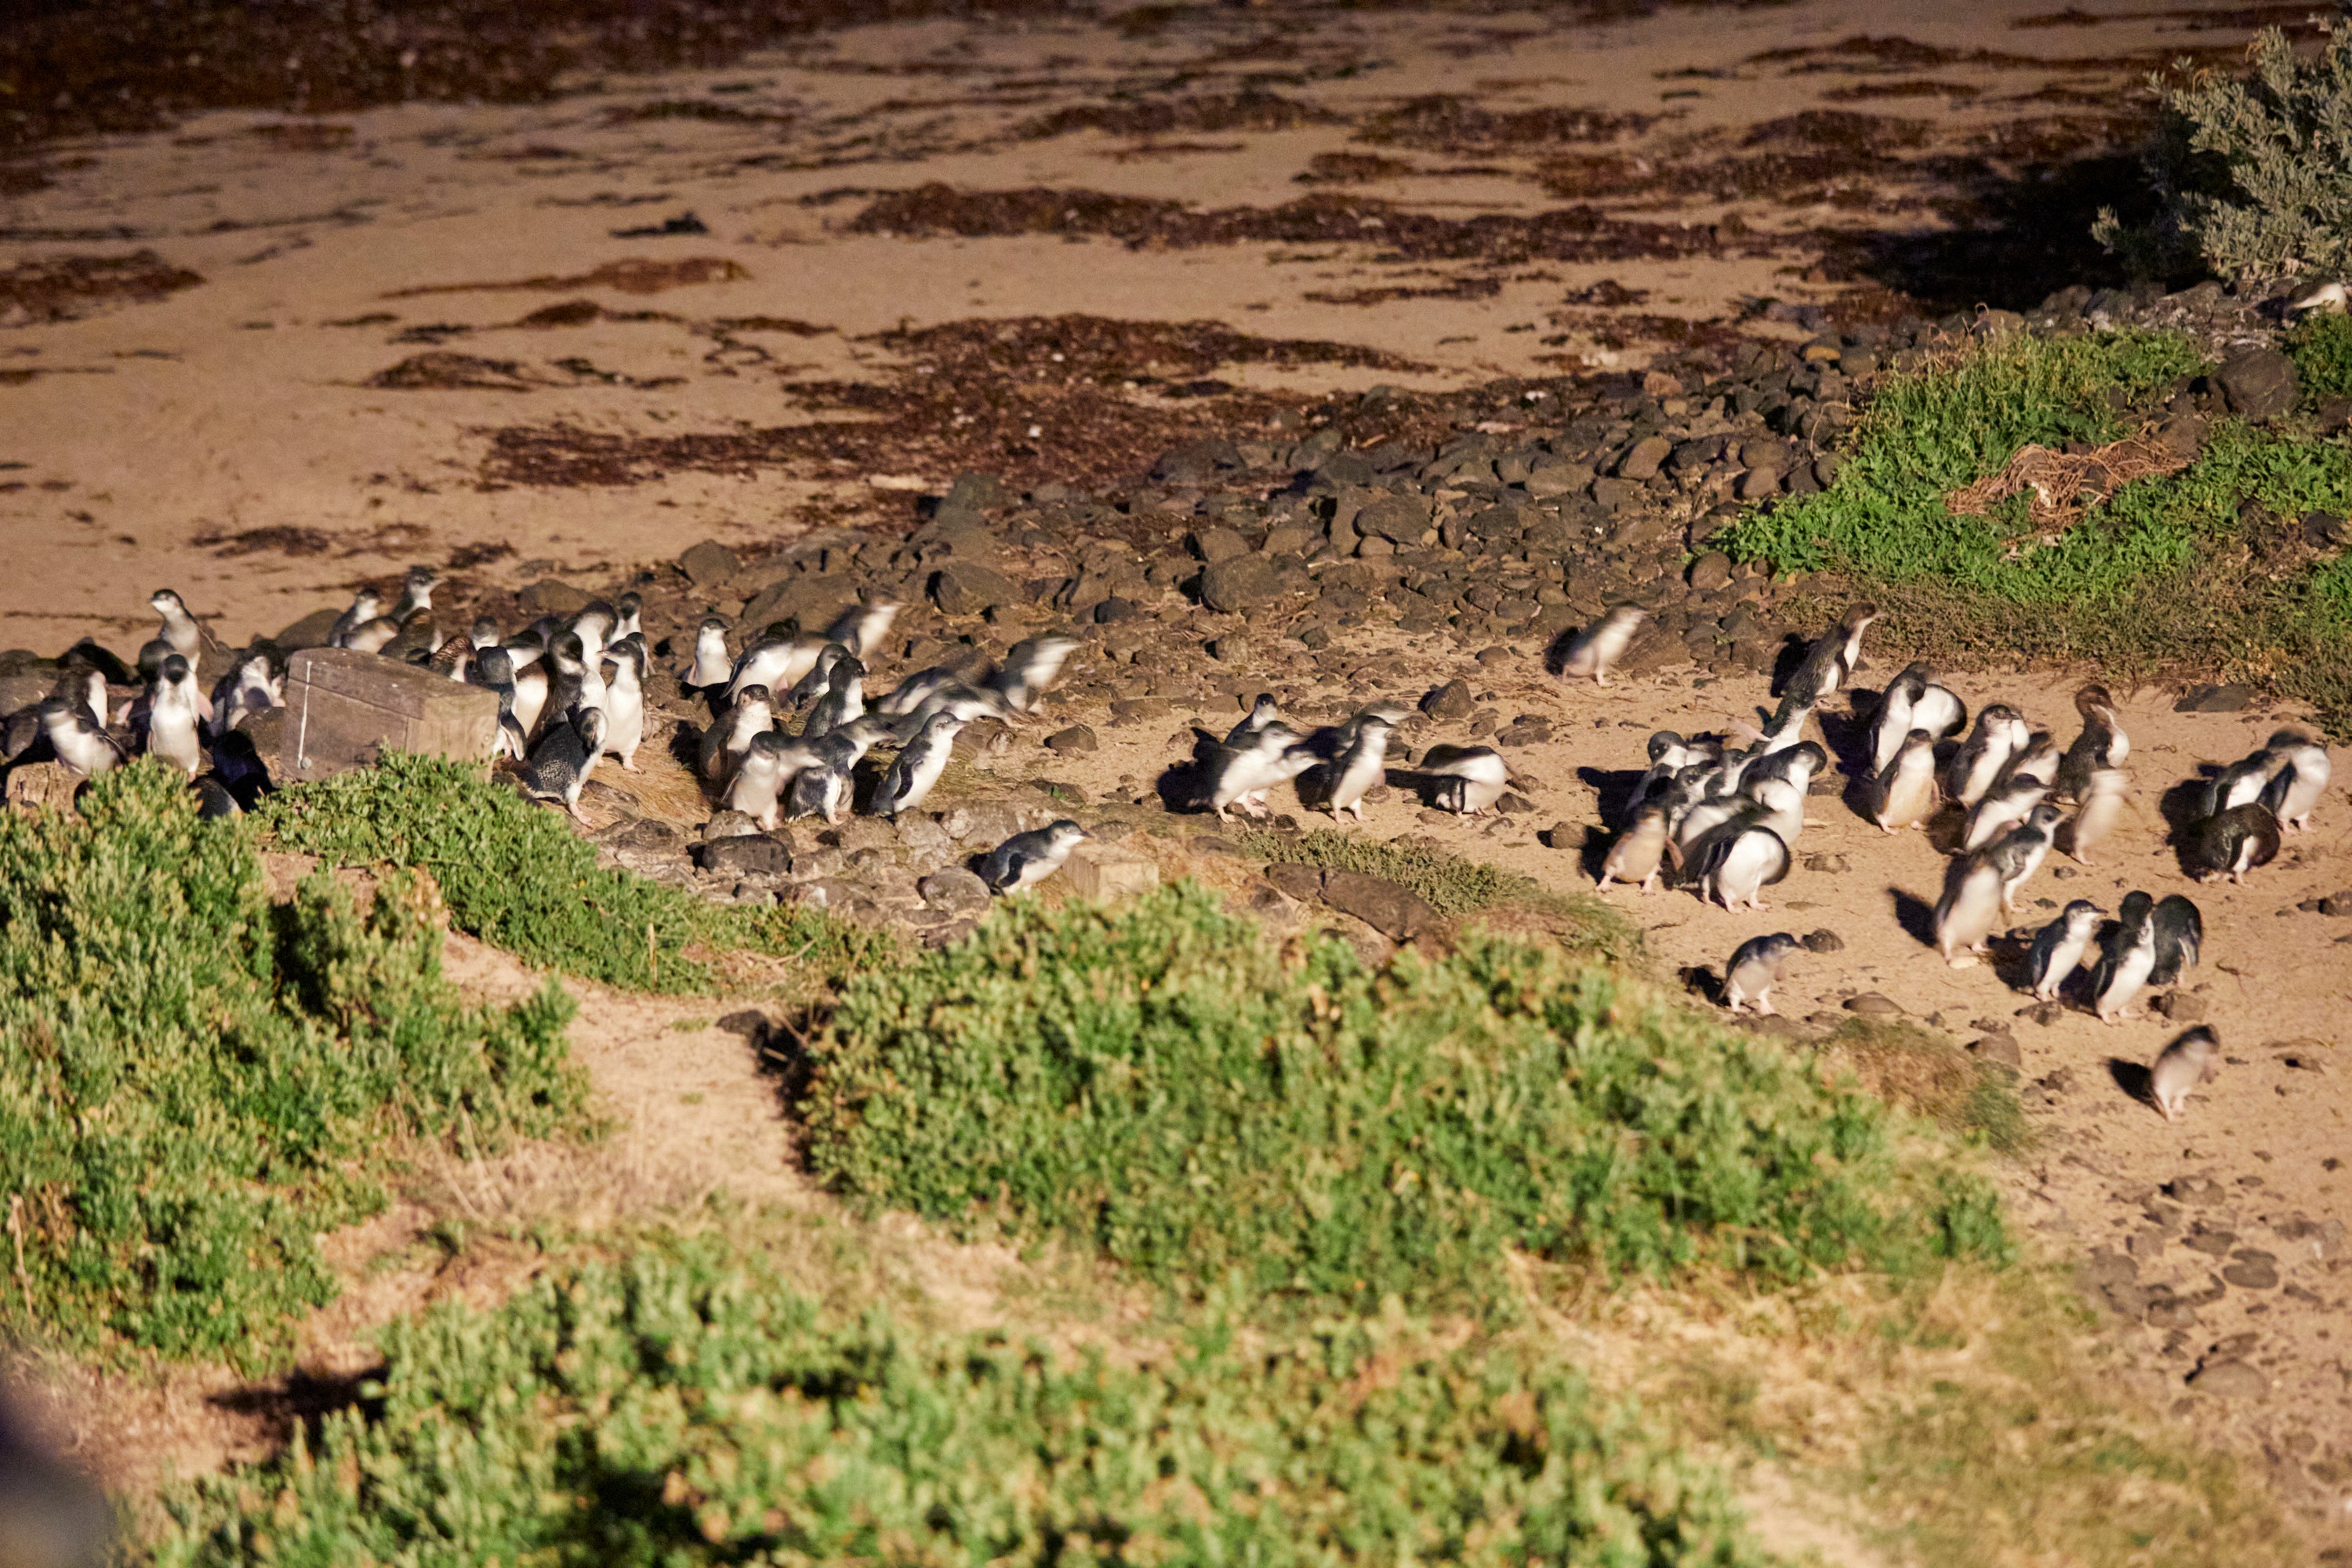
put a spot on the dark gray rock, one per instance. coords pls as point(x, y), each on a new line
point(548, 597)
point(2229, 1379)
point(311, 631)
point(2215, 700)
point(1213, 545)
point(811, 599)
point(1645, 457)
point(954, 890)
point(2179, 1006)
point(966, 589)
point(2259, 382)
point(1400, 519)
point(1394, 911)
point(1710, 572)
point(1076, 738)
point(1874, 1005)
point(1450, 703)
point(708, 564)
point(746, 855)
point(2252, 1270)
point(1240, 585)
point(1823, 941)
point(1999, 1050)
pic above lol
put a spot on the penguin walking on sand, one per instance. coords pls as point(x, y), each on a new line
point(1913, 700)
point(1639, 851)
point(2128, 960)
point(1469, 779)
point(2004, 808)
point(824, 787)
point(1969, 907)
point(861, 627)
point(770, 764)
point(2102, 801)
point(566, 755)
point(2192, 1061)
point(1904, 794)
point(2000, 734)
point(1592, 653)
point(2101, 744)
point(2232, 843)
point(625, 699)
point(1755, 969)
point(712, 665)
point(775, 659)
point(917, 767)
point(1830, 663)
point(1029, 671)
point(2059, 947)
point(1025, 859)
point(1263, 712)
point(79, 740)
point(1240, 774)
point(2241, 783)
point(174, 722)
point(1362, 763)
point(731, 735)
point(2020, 853)
point(2180, 939)
point(2302, 778)
point(1740, 863)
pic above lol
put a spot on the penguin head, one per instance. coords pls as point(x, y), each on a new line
point(172, 671)
point(484, 633)
point(1664, 741)
point(1063, 833)
point(2079, 914)
point(496, 665)
point(590, 723)
point(2044, 816)
point(167, 603)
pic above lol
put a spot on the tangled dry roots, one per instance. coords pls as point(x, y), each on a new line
point(2065, 485)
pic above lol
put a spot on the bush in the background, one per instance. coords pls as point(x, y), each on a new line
point(2252, 174)
point(692, 1408)
point(1164, 1084)
point(191, 1078)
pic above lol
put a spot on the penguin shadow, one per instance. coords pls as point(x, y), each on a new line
point(1701, 980)
point(1787, 661)
point(1847, 736)
point(1317, 784)
point(1947, 830)
point(2182, 807)
point(1593, 853)
point(1915, 914)
point(865, 783)
point(779, 1050)
point(1620, 790)
point(1423, 785)
point(2134, 1080)
point(686, 746)
point(1184, 787)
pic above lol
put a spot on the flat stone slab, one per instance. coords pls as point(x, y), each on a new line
point(344, 710)
point(1106, 873)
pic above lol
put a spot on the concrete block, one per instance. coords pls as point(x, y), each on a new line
point(1106, 873)
point(42, 786)
point(345, 708)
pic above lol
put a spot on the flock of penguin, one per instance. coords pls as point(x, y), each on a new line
point(1723, 817)
point(1717, 813)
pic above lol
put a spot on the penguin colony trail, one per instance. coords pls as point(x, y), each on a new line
point(1346, 446)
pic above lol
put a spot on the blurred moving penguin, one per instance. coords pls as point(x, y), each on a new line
point(1755, 969)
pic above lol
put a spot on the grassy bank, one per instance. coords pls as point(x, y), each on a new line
point(2207, 572)
point(195, 1083)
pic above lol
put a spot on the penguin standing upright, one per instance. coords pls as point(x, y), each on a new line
point(917, 767)
point(844, 701)
point(763, 777)
point(1240, 774)
point(712, 665)
point(2193, 1060)
point(2020, 853)
point(566, 755)
point(365, 607)
point(1639, 850)
point(493, 670)
point(1470, 779)
point(1025, 859)
point(861, 627)
point(1904, 794)
point(2129, 959)
point(79, 740)
point(1740, 863)
point(1830, 663)
point(2058, 947)
point(174, 730)
point(1969, 906)
point(2179, 937)
point(1755, 969)
point(729, 735)
point(2300, 779)
point(625, 699)
point(2000, 733)
point(2102, 801)
point(1029, 671)
point(2101, 744)
point(1362, 763)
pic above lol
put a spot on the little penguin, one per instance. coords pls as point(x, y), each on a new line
point(1969, 906)
point(1904, 794)
point(1590, 654)
point(775, 659)
point(1029, 669)
point(1741, 864)
point(1261, 714)
point(1780, 806)
point(861, 627)
point(2233, 842)
point(2001, 732)
point(627, 616)
point(1470, 779)
point(2241, 783)
point(770, 766)
point(493, 670)
point(917, 767)
point(814, 684)
point(2058, 947)
point(727, 737)
point(2186, 1064)
point(1830, 663)
point(1025, 859)
point(365, 607)
point(369, 637)
point(1241, 774)
point(2002, 808)
point(78, 739)
point(1795, 766)
point(2101, 744)
point(2180, 939)
point(179, 628)
point(1364, 762)
point(2019, 852)
point(250, 687)
point(559, 765)
point(824, 786)
point(1912, 700)
point(1755, 969)
point(625, 699)
point(2103, 800)
point(1639, 850)
point(712, 665)
point(920, 688)
point(415, 591)
point(173, 731)
point(483, 634)
point(2300, 780)
point(2129, 959)
point(843, 701)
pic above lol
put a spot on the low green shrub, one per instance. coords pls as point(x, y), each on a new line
point(1158, 1082)
point(2321, 347)
point(1451, 884)
point(191, 1079)
point(2252, 174)
point(516, 876)
point(689, 1407)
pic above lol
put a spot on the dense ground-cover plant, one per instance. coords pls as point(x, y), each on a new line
point(191, 1079)
point(516, 876)
point(1161, 1083)
point(688, 1406)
